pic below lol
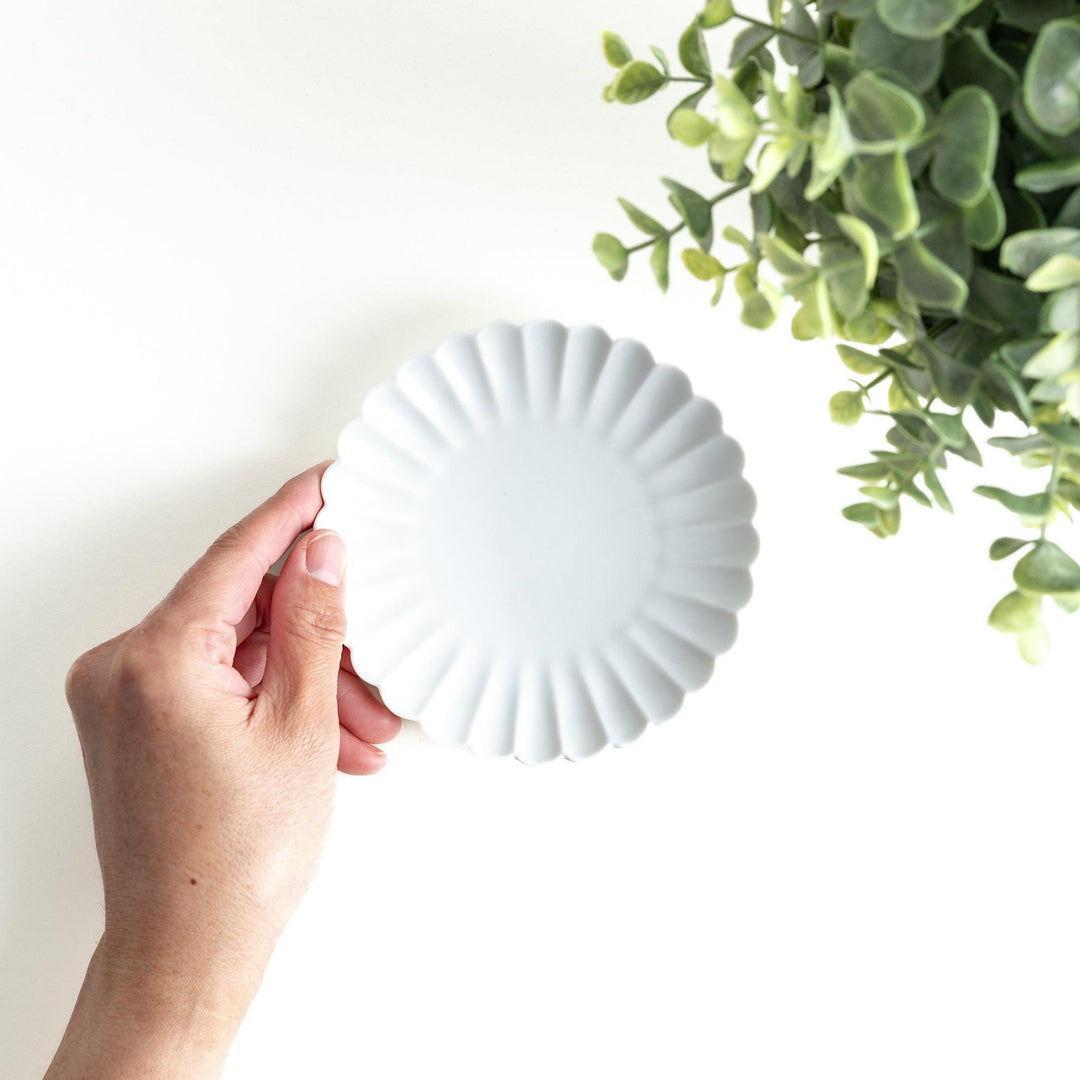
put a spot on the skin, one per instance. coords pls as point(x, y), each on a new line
point(212, 734)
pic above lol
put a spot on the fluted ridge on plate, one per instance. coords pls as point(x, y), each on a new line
point(426, 663)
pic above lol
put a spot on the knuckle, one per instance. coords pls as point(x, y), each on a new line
point(322, 624)
point(230, 539)
point(133, 669)
point(80, 679)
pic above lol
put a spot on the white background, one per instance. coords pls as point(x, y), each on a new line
point(853, 855)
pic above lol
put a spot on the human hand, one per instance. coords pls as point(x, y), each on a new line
point(211, 735)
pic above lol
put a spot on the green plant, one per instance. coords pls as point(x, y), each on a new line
point(913, 188)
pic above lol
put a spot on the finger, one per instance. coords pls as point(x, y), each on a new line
point(307, 630)
point(222, 585)
point(357, 757)
point(257, 616)
point(250, 658)
point(361, 714)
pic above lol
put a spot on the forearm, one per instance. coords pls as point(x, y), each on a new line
point(133, 1024)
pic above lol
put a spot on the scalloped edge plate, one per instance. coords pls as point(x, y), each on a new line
point(549, 536)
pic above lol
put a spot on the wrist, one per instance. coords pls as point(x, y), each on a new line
point(144, 1018)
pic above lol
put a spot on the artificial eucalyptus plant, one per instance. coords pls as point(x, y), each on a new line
point(912, 176)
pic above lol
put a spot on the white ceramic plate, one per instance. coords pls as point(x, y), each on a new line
point(548, 539)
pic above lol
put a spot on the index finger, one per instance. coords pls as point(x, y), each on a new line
point(220, 588)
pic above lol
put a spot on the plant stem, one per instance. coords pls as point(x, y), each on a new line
point(652, 240)
point(776, 29)
point(726, 194)
point(880, 377)
point(878, 147)
point(733, 190)
point(1051, 488)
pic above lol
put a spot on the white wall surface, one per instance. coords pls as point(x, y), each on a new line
point(854, 854)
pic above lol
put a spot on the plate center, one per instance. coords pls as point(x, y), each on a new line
point(538, 537)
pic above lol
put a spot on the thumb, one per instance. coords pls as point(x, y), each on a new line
point(307, 629)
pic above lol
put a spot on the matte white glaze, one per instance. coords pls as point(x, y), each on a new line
point(548, 536)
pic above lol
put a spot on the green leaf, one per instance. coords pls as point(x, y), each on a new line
point(691, 101)
point(690, 127)
point(616, 51)
point(735, 116)
point(637, 81)
point(949, 427)
point(658, 261)
point(900, 397)
point(1046, 569)
point(611, 253)
point(883, 184)
point(984, 222)
point(771, 161)
point(913, 491)
point(867, 328)
point(1005, 546)
point(877, 48)
point(860, 362)
point(737, 129)
point(1024, 252)
point(693, 53)
point(1061, 312)
point(832, 154)
point(716, 13)
point(797, 22)
point(1016, 389)
point(1052, 78)
point(844, 270)
point(846, 407)
point(735, 236)
point(1031, 15)
point(1068, 602)
point(1034, 644)
point(1068, 435)
point(759, 310)
point(872, 470)
point(861, 514)
point(930, 281)
point(952, 378)
point(998, 301)
point(888, 521)
point(1016, 613)
point(881, 110)
point(884, 497)
point(702, 266)
point(967, 146)
point(923, 19)
point(1049, 176)
point(661, 59)
point(761, 302)
point(749, 41)
point(971, 61)
point(692, 208)
point(814, 319)
point(1017, 446)
point(1069, 214)
point(1058, 272)
point(783, 258)
point(1070, 491)
point(934, 484)
point(1031, 507)
point(642, 220)
point(865, 239)
point(1055, 359)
